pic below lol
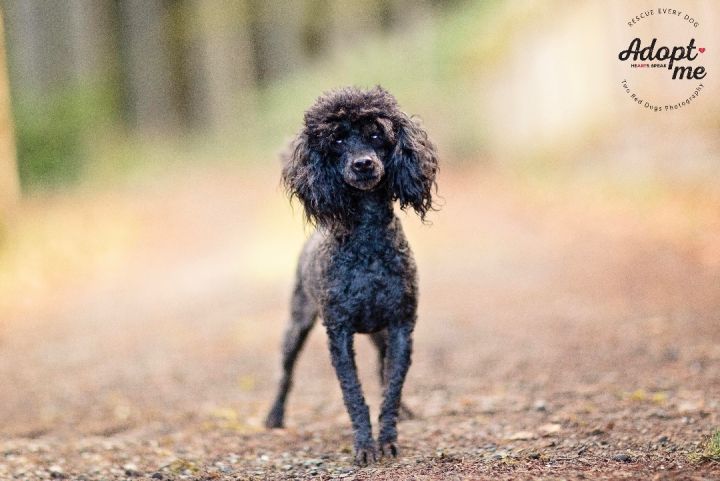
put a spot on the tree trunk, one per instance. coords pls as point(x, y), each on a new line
point(220, 64)
point(150, 94)
point(9, 181)
point(277, 36)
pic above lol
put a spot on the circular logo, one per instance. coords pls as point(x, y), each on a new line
point(662, 59)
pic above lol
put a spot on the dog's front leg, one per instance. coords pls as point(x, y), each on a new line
point(399, 349)
point(343, 359)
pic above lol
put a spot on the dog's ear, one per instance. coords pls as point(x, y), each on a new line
point(414, 165)
point(308, 176)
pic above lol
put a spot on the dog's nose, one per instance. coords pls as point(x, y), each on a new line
point(363, 164)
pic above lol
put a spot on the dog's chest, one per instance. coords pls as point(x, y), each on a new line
point(370, 283)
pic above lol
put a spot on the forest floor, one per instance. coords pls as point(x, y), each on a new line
point(567, 330)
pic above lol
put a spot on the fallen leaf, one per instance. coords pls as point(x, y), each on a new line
point(521, 436)
point(550, 428)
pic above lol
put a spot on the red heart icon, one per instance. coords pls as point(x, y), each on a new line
point(702, 49)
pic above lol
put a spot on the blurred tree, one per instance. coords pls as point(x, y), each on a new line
point(9, 182)
point(316, 34)
point(24, 35)
point(50, 59)
point(277, 37)
point(401, 13)
point(219, 62)
point(149, 88)
point(90, 40)
point(352, 20)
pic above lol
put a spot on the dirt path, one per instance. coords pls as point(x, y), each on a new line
point(568, 335)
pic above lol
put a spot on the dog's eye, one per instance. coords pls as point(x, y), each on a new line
point(339, 141)
point(374, 136)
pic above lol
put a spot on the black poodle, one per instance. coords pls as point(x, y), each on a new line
point(356, 155)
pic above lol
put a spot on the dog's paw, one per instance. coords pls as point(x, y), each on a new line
point(389, 448)
point(274, 421)
point(366, 454)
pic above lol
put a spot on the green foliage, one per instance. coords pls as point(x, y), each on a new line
point(710, 451)
point(51, 130)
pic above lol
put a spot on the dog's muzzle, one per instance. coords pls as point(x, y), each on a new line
point(363, 172)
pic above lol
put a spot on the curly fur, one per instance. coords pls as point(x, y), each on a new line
point(308, 176)
point(357, 154)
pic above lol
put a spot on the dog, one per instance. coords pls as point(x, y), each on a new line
point(357, 155)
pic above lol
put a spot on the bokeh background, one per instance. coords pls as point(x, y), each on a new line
point(109, 98)
point(147, 248)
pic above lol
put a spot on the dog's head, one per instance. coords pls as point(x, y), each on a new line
point(355, 141)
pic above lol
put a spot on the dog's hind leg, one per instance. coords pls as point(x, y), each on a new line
point(380, 340)
point(303, 315)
